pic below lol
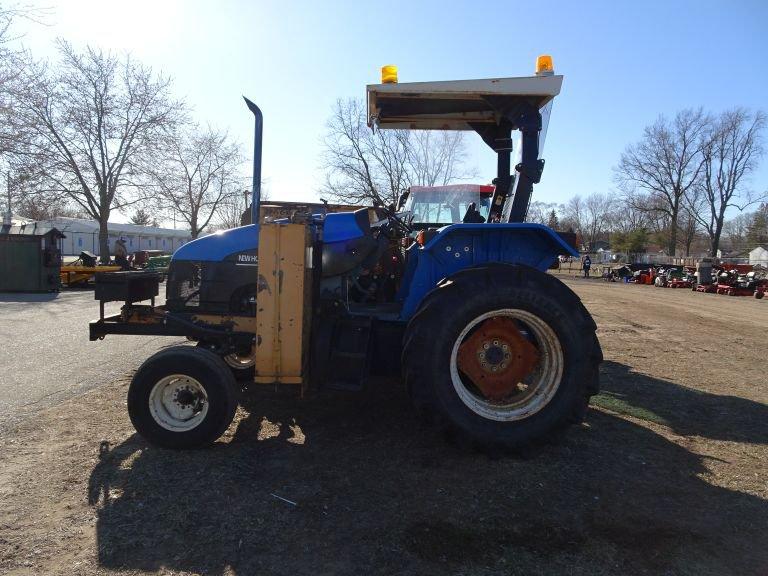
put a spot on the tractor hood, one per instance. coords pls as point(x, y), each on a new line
point(218, 246)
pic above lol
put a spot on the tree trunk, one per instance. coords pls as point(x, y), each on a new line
point(103, 239)
point(715, 244)
point(672, 246)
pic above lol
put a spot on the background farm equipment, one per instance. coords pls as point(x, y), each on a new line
point(646, 276)
point(82, 271)
point(675, 277)
point(733, 283)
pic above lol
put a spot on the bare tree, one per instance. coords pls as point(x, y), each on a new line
point(541, 212)
point(665, 164)
point(436, 158)
point(732, 149)
point(230, 212)
point(687, 229)
point(363, 166)
point(90, 120)
point(195, 173)
point(736, 229)
point(13, 64)
point(596, 217)
point(630, 214)
point(573, 215)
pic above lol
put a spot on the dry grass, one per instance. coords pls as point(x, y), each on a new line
point(667, 477)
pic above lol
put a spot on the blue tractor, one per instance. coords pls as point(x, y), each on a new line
point(488, 344)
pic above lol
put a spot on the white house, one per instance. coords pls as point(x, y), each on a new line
point(84, 235)
point(759, 256)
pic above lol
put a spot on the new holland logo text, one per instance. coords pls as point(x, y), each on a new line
point(247, 259)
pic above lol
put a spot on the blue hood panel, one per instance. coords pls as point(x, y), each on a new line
point(340, 227)
point(216, 247)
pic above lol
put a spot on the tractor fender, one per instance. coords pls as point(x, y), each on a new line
point(461, 246)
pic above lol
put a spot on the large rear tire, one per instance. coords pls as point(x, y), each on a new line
point(504, 355)
point(182, 397)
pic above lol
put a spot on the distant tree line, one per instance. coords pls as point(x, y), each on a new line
point(679, 185)
point(93, 132)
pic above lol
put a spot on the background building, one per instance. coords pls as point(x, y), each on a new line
point(759, 255)
point(84, 235)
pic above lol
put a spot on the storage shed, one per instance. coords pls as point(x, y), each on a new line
point(759, 256)
point(30, 260)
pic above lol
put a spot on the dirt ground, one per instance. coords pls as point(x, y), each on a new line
point(669, 475)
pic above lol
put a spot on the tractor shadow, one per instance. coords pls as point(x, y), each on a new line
point(353, 484)
point(688, 412)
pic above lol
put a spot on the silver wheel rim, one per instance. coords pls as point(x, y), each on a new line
point(239, 362)
point(540, 386)
point(178, 403)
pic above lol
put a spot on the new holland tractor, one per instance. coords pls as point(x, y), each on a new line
point(488, 344)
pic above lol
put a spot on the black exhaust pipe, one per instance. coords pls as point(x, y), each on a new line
point(257, 138)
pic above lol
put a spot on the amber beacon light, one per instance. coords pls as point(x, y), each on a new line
point(389, 74)
point(544, 65)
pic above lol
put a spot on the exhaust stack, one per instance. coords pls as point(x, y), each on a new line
point(258, 124)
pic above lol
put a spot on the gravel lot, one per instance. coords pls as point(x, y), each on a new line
point(46, 356)
point(669, 475)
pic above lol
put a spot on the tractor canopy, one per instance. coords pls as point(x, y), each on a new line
point(457, 104)
point(495, 108)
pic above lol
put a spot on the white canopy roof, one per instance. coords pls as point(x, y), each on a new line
point(455, 104)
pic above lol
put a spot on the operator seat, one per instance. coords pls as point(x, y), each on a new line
point(472, 215)
point(352, 245)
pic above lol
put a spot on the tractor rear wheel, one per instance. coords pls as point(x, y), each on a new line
point(504, 355)
point(182, 397)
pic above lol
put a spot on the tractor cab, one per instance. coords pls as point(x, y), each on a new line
point(436, 206)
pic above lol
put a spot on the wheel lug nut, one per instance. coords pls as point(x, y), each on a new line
point(486, 345)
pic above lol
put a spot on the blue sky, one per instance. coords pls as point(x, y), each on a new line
point(624, 64)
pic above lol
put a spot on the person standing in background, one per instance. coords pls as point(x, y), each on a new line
point(121, 254)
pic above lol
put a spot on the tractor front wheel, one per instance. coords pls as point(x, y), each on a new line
point(182, 397)
point(505, 355)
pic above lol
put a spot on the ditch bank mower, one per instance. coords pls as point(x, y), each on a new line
point(488, 344)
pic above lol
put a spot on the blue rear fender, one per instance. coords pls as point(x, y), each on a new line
point(460, 246)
